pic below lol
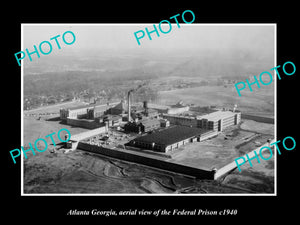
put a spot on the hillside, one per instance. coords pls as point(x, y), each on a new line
point(108, 75)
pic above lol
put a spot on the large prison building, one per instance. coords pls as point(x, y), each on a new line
point(171, 138)
point(217, 121)
point(78, 112)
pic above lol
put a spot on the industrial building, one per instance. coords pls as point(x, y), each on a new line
point(83, 116)
point(78, 112)
point(148, 112)
point(141, 126)
point(118, 109)
point(110, 120)
point(218, 120)
point(73, 112)
point(171, 138)
point(190, 121)
point(95, 112)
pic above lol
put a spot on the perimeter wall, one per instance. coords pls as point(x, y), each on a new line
point(231, 166)
point(152, 161)
point(258, 118)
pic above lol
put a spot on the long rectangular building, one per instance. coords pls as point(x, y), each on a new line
point(170, 138)
point(77, 112)
point(217, 121)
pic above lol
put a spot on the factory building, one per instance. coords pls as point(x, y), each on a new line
point(73, 112)
point(142, 126)
point(171, 138)
point(181, 120)
point(118, 109)
point(95, 112)
point(149, 112)
point(218, 120)
point(83, 116)
point(82, 112)
point(110, 120)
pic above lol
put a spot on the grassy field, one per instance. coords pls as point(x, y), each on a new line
point(260, 100)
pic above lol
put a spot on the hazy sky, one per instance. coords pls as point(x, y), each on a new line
point(258, 39)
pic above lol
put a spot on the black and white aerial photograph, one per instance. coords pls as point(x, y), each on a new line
point(162, 117)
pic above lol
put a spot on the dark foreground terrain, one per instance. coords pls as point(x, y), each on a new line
point(81, 172)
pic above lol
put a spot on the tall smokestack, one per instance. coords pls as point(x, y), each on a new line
point(129, 106)
point(145, 105)
point(146, 108)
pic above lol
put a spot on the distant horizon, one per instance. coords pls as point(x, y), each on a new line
point(255, 39)
point(110, 50)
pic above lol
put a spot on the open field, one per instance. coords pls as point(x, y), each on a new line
point(264, 128)
point(260, 100)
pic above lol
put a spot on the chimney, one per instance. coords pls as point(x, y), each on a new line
point(129, 106)
point(145, 105)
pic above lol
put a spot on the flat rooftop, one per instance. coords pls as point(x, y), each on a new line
point(215, 116)
point(97, 106)
point(171, 135)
